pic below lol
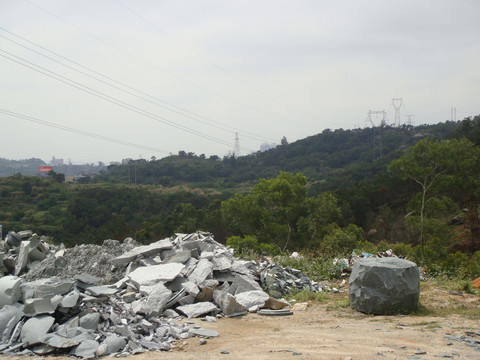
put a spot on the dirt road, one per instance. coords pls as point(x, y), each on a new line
point(335, 331)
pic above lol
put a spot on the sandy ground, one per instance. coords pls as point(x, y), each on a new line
point(332, 331)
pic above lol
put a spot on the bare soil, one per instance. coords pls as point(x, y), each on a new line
point(333, 330)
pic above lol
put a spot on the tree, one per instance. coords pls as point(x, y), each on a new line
point(271, 210)
point(427, 163)
point(284, 141)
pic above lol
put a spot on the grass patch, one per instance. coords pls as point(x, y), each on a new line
point(309, 296)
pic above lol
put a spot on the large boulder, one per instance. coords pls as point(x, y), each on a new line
point(384, 285)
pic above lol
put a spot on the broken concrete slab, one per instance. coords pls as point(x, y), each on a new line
point(10, 291)
point(150, 275)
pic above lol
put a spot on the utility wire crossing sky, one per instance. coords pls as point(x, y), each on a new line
point(103, 81)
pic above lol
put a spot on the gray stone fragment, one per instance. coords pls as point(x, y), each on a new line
point(150, 275)
point(157, 298)
point(43, 349)
point(34, 330)
point(90, 321)
point(198, 245)
point(10, 315)
point(86, 349)
point(146, 250)
point(25, 234)
point(191, 288)
point(203, 332)
point(227, 302)
point(51, 287)
point(252, 299)
point(22, 258)
point(101, 290)
point(202, 271)
point(276, 304)
point(240, 266)
point(70, 300)
point(179, 257)
point(384, 285)
point(169, 313)
point(186, 300)
point(10, 291)
point(114, 343)
point(197, 309)
point(243, 283)
point(221, 263)
point(37, 306)
point(13, 239)
point(59, 342)
point(207, 255)
point(85, 280)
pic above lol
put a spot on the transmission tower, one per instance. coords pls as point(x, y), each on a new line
point(409, 119)
point(397, 104)
point(372, 119)
point(453, 113)
point(236, 149)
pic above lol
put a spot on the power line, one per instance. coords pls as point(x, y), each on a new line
point(251, 108)
point(110, 99)
point(246, 133)
point(80, 132)
point(211, 62)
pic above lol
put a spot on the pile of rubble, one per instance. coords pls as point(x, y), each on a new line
point(121, 298)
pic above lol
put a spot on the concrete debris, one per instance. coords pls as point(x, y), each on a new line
point(121, 298)
point(384, 285)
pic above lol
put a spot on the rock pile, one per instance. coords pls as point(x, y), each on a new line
point(117, 298)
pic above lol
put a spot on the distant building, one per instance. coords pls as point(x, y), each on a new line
point(56, 161)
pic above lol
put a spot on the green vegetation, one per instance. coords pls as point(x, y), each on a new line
point(325, 196)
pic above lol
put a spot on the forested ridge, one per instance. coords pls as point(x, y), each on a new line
point(327, 194)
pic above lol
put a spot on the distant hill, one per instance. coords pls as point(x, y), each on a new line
point(329, 160)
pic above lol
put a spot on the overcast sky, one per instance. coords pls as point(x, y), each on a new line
point(106, 80)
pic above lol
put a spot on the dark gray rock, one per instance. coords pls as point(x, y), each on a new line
point(384, 285)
